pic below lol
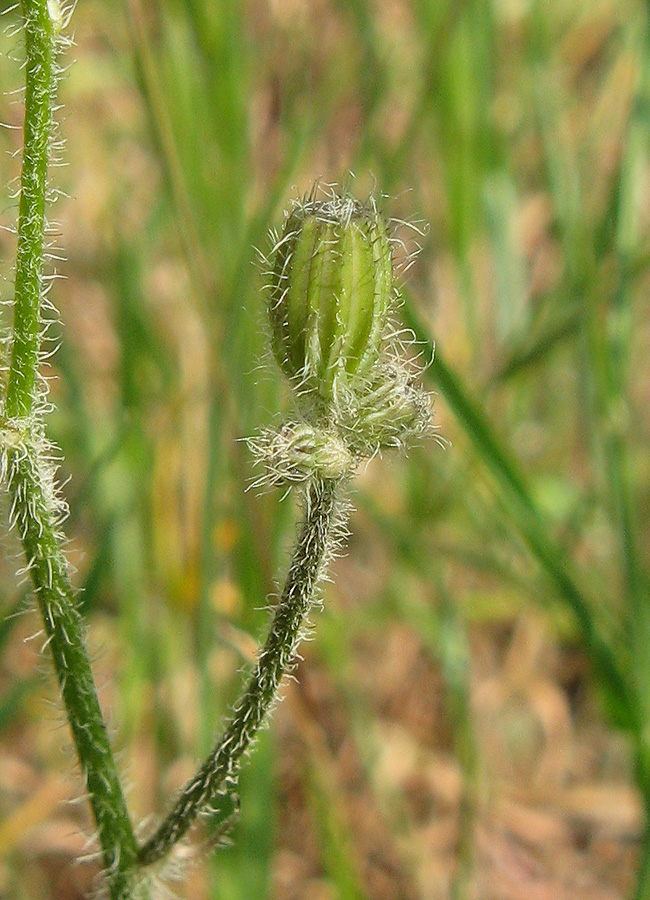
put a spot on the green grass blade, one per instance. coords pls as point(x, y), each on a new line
point(528, 520)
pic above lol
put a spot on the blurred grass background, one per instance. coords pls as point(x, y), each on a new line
point(472, 718)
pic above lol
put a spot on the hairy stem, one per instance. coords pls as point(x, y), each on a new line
point(30, 489)
point(26, 465)
point(219, 771)
point(40, 47)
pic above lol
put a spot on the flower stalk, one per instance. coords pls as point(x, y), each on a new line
point(331, 291)
point(217, 777)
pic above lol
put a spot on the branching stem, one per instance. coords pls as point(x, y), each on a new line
point(370, 413)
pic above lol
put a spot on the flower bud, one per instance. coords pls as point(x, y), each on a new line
point(298, 452)
point(331, 290)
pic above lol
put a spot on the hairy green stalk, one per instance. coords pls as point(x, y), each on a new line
point(26, 463)
point(331, 291)
point(30, 487)
point(40, 84)
point(218, 774)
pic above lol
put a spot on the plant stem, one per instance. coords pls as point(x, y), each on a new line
point(32, 512)
point(25, 462)
point(218, 773)
point(39, 95)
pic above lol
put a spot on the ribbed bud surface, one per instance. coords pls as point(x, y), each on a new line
point(331, 289)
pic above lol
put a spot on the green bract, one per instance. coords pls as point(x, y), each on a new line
point(331, 288)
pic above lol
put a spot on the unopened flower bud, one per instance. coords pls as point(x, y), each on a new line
point(298, 452)
point(330, 293)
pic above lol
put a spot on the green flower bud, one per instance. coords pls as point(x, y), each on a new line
point(298, 452)
point(392, 412)
point(331, 288)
